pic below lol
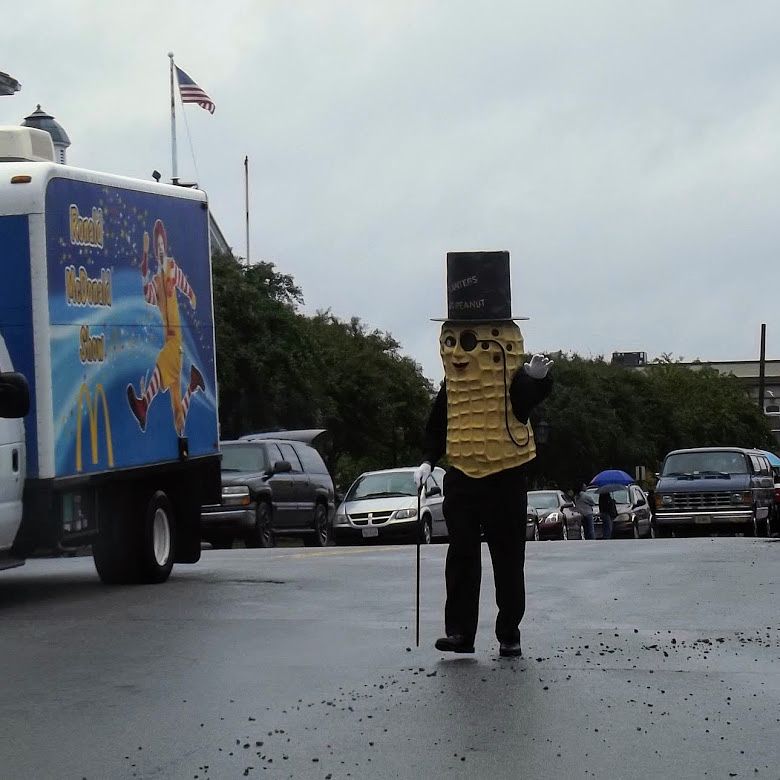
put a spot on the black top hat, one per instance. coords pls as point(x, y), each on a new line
point(478, 287)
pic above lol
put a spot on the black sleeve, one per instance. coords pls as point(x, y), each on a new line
point(526, 392)
point(435, 441)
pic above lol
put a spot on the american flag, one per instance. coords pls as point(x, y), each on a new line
point(191, 92)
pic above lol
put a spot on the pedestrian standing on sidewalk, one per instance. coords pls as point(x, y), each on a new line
point(608, 512)
point(585, 506)
point(480, 420)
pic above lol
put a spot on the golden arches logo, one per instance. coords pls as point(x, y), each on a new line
point(91, 402)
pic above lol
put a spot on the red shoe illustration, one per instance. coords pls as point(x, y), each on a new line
point(138, 407)
point(196, 380)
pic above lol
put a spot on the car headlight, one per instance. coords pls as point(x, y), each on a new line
point(340, 517)
point(236, 495)
point(623, 517)
point(553, 517)
point(404, 514)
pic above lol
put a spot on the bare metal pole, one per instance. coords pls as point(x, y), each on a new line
point(762, 369)
point(174, 166)
point(246, 200)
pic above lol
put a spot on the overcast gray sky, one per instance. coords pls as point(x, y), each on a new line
point(626, 154)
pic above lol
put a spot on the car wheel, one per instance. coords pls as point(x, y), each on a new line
point(322, 531)
point(564, 530)
point(537, 536)
point(262, 534)
point(426, 531)
point(635, 528)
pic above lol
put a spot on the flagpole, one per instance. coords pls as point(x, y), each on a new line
point(246, 199)
point(174, 167)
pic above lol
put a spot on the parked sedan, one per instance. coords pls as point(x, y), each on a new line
point(634, 517)
point(383, 504)
point(558, 517)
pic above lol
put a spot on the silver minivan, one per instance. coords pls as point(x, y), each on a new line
point(383, 505)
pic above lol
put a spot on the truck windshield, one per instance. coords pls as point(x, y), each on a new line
point(396, 483)
point(704, 463)
point(242, 457)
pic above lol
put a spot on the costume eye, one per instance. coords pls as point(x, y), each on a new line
point(449, 342)
point(468, 340)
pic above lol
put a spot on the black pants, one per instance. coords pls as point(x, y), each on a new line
point(496, 504)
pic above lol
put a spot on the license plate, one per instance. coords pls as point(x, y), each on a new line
point(370, 532)
point(702, 520)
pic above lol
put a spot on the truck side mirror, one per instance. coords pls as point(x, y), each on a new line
point(282, 467)
point(14, 395)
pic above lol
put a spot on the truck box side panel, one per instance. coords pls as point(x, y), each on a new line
point(118, 334)
point(16, 317)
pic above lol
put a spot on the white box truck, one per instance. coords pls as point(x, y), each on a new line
point(107, 331)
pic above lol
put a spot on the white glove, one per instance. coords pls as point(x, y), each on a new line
point(538, 367)
point(421, 473)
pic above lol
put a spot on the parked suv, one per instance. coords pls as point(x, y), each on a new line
point(716, 487)
point(271, 486)
point(384, 504)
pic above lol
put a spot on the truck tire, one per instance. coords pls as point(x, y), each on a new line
point(111, 553)
point(158, 540)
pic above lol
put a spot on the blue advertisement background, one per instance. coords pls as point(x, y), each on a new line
point(16, 317)
point(132, 328)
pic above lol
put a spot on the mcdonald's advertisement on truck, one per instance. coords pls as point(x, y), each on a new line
point(106, 323)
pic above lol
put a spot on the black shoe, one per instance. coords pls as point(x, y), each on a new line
point(455, 644)
point(510, 649)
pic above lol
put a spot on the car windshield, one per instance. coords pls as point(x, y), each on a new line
point(543, 500)
point(240, 457)
point(395, 483)
point(695, 463)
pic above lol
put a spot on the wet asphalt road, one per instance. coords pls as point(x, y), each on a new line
point(641, 659)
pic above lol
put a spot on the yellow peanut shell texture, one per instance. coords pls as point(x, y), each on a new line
point(478, 405)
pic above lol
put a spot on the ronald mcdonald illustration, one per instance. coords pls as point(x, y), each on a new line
point(160, 290)
point(480, 420)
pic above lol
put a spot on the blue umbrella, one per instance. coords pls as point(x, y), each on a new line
point(612, 477)
point(771, 457)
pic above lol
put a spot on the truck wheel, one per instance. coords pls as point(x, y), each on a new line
point(112, 553)
point(322, 531)
point(751, 529)
point(157, 540)
point(261, 535)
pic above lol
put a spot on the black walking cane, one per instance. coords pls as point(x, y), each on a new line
point(419, 531)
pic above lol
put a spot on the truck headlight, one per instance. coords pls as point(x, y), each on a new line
point(404, 514)
point(745, 497)
point(667, 500)
point(236, 495)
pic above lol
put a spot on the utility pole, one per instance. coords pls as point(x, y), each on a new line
point(762, 369)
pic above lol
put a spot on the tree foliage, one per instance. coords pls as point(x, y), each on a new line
point(605, 416)
point(280, 369)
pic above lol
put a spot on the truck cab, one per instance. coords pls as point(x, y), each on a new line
point(14, 404)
